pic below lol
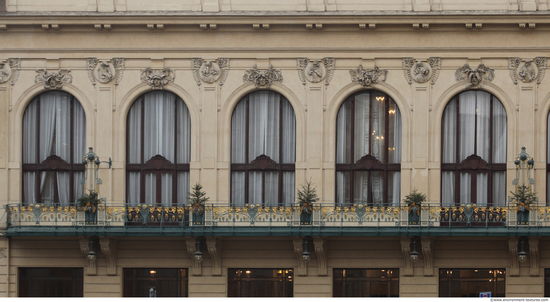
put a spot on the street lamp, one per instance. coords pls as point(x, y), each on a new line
point(414, 253)
point(305, 253)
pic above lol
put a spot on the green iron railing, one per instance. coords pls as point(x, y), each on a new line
point(251, 219)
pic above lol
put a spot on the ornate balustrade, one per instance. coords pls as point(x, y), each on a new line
point(328, 219)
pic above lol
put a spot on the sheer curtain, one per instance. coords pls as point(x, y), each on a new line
point(268, 113)
point(475, 138)
point(165, 121)
point(55, 139)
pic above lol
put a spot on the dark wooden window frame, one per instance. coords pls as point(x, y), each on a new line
point(367, 163)
point(53, 163)
point(158, 164)
point(26, 276)
point(394, 277)
point(462, 279)
point(473, 164)
point(262, 163)
point(239, 279)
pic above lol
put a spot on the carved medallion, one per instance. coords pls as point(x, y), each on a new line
point(263, 78)
point(157, 78)
point(105, 71)
point(263, 162)
point(210, 71)
point(421, 72)
point(5, 73)
point(526, 71)
point(53, 80)
point(315, 70)
point(368, 77)
point(474, 76)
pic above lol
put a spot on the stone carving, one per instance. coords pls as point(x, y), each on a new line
point(263, 77)
point(10, 70)
point(474, 76)
point(315, 70)
point(528, 72)
point(5, 73)
point(368, 77)
point(105, 71)
point(210, 71)
point(157, 78)
point(53, 80)
point(15, 65)
point(421, 72)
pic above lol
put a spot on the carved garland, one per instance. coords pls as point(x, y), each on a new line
point(263, 78)
point(157, 78)
point(53, 80)
point(368, 77)
point(474, 76)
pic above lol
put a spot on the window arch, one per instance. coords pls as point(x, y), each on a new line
point(54, 142)
point(368, 150)
point(158, 150)
point(263, 150)
point(474, 136)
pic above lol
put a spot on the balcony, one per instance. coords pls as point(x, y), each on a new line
point(253, 220)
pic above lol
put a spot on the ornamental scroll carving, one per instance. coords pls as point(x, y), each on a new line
point(157, 78)
point(263, 78)
point(105, 71)
point(368, 77)
point(421, 72)
point(474, 76)
point(315, 70)
point(10, 70)
point(210, 71)
point(53, 80)
point(527, 71)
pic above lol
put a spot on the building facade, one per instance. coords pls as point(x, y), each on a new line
point(366, 100)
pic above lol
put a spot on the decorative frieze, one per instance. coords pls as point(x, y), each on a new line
point(105, 71)
point(421, 72)
point(368, 77)
point(210, 71)
point(474, 76)
point(157, 78)
point(526, 71)
point(263, 78)
point(53, 80)
point(315, 70)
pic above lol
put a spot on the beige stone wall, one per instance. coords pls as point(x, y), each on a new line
point(277, 252)
point(274, 6)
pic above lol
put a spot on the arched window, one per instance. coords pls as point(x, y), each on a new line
point(263, 150)
point(368, 150)
point(158, 150)
point(54, 142)
point(473, 168)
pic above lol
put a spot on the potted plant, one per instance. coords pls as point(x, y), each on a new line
point(413, 201)
point(523, 198)
point(307, 195)
point(88, 203)
point(197, 198)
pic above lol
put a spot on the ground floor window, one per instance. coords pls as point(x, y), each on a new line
point(51, 282)
point(365, 282)
point(262, 282)
point(471, 282)
point(155, 282)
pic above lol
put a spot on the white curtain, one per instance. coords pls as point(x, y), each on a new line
point(474, 128)
point(55, 139)
point(369, 127)
point(165, 121)
point(265, 110)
